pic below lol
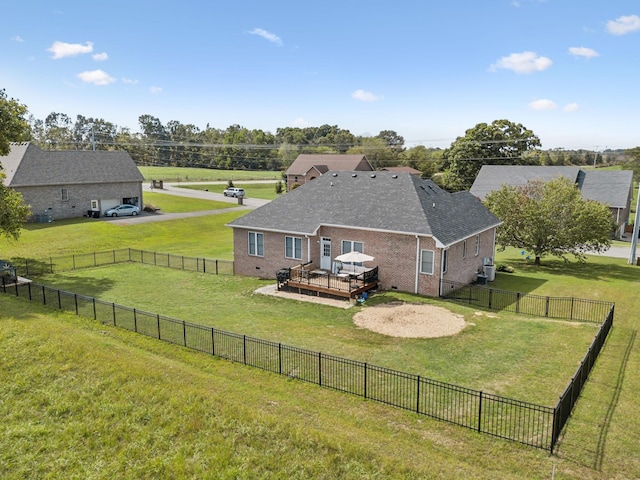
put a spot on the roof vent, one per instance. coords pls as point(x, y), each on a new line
point(373, 175)
point(334, 174)
point(394, 176)
point(354, 175)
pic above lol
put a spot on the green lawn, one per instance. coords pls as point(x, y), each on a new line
point(176, 204)
point(179, 174)
point(495, 353)
point(83, 400)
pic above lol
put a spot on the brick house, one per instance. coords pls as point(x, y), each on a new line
point(308, 167)
point(417, 232)
point(613, 188)
point(69, 183)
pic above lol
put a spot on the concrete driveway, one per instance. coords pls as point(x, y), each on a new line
point(174, 189)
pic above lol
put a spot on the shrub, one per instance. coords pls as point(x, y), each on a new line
point(505, 268)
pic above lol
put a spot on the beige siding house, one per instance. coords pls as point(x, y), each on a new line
point(417, 233)
point(67, 184)
point(307, 167)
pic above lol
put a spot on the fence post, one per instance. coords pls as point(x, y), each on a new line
point(204, 265)
point(571, 311)
point(59, 299)
point(184, 332)
point(73, 261)
point(113, 306)
point(95, 316)
point(155, 262)
point(217, 272)
point(365, 380)
point(135, 321)
point(546, 308)
point(320, 368)
point(75, 299)
point(51, 264)
point(280, 358)
point(158, 322)
point(480, 414)
point(213, 342)
point(182, 262)
point(95, 260)
point(244, 349)
point(517, 302)
point(44, 296)
point(490, 298)
point(29, 290)
point(418, 395)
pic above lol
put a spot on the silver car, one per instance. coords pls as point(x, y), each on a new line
point(122, 211)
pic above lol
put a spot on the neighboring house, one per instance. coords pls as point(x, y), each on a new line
point(613, 188)
point(70, 183)
point(417, 232)
point(308, 167)
point(410, 170)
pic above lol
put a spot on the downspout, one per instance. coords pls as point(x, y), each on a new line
point(415, 290)
point(441, 271)
point(308, 248)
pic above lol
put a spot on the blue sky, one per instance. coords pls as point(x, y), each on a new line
point(429, 70)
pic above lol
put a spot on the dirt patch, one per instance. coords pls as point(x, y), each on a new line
point(410, 320)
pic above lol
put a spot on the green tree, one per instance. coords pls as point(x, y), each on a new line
point(500, 143)
point(550, 218)
point(13, 212)
point(13, 125)
point(633, 161)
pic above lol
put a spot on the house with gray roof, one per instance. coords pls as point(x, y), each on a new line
point(70, 183)
point(308, 167)
point(417, 232)
point(613, 188)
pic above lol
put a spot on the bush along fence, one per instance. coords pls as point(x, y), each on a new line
point(28, 267)
point(519, 421)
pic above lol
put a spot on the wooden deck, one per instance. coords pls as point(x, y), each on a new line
point(324, 283)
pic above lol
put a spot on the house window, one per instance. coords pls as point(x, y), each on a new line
point(426, 262)
point(477, 245)
point(293, 248)
point(350, 246)
point(256, 244)
point(445, 257)
point(65, 194)
point(464, 249)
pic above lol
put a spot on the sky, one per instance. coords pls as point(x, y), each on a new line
point(427, 69)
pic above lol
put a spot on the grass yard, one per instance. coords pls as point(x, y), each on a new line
point(176, 204)
point(180, 174)
point(520, 357)
point(264, 191)
point(83, 400)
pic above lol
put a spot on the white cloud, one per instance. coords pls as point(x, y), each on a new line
point(543, 104)
point(155, 90)
point(583, 52)
point(623, 25)
point(129, 81)
point(525, 62)
point(97, 77)
point(300, 123)
point(62, 49)
point(365, 96)
point(17, 38)
point(100, 57)
point(272, 37)
point(571, 107)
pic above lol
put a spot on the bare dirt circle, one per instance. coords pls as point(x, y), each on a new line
point(410, 320)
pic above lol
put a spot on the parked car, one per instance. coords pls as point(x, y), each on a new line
point(234, 192)
point(122, 211)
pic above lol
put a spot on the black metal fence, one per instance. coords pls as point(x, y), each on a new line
point(562, 308)
point(528, 423)
point(29, 267)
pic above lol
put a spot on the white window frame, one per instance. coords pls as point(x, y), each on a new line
point(64, 192)
point(257, 244)
point(477, 245)
point(352, 246)
point(293, 247)
point(422, 263)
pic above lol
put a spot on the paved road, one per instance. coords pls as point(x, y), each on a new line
point(174, 189)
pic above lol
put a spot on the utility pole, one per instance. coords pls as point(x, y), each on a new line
point(636, 224)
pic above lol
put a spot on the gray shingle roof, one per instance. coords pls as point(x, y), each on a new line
point(611, 187)
point(383, 201)
point(326, 162)
point(27, 165)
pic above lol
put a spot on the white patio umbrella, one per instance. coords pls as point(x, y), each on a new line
point(354, 257)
